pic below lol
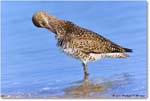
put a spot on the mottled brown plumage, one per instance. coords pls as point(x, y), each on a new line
point(79, 42)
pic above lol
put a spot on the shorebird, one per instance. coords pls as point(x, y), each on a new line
point(79, 42)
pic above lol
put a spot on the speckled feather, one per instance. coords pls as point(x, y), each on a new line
point(79, 42)
point(87, 45)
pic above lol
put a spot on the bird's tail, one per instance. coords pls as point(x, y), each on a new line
point(128, 50)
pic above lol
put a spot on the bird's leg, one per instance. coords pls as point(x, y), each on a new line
point(86, 73)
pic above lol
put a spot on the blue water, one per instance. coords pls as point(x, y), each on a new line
point(33, 67)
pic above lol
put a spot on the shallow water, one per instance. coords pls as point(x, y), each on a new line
point(33, 67)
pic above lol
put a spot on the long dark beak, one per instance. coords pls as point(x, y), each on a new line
point(50, 28)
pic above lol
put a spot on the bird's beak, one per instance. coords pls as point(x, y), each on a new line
point(50, 28)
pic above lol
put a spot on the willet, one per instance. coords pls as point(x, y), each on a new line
point(79, 42)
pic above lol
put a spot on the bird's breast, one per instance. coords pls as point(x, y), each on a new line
point(74, 52)
point(65, 47)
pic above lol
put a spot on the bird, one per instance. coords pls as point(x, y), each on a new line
point(79, 42)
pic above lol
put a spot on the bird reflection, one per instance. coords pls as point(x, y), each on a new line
point(95, 88)
point(86, 89)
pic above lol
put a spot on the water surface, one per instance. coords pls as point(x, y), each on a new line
point(33, 67)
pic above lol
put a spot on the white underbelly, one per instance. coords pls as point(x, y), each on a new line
point(92, 56)
point(108, 55)
point(69, 51)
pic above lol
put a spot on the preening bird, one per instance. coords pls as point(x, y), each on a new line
point(79, 42)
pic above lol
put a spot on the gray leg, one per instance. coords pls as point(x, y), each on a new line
point(86, 73)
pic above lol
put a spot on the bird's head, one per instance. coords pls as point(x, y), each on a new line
point(50, 22)
point(45, 20)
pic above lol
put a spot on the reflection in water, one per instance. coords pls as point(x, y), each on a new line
point(84, 90)
point(96, 88)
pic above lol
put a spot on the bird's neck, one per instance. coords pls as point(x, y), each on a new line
point(60, 36)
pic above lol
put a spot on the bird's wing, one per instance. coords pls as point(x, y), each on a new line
point(90, 42)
